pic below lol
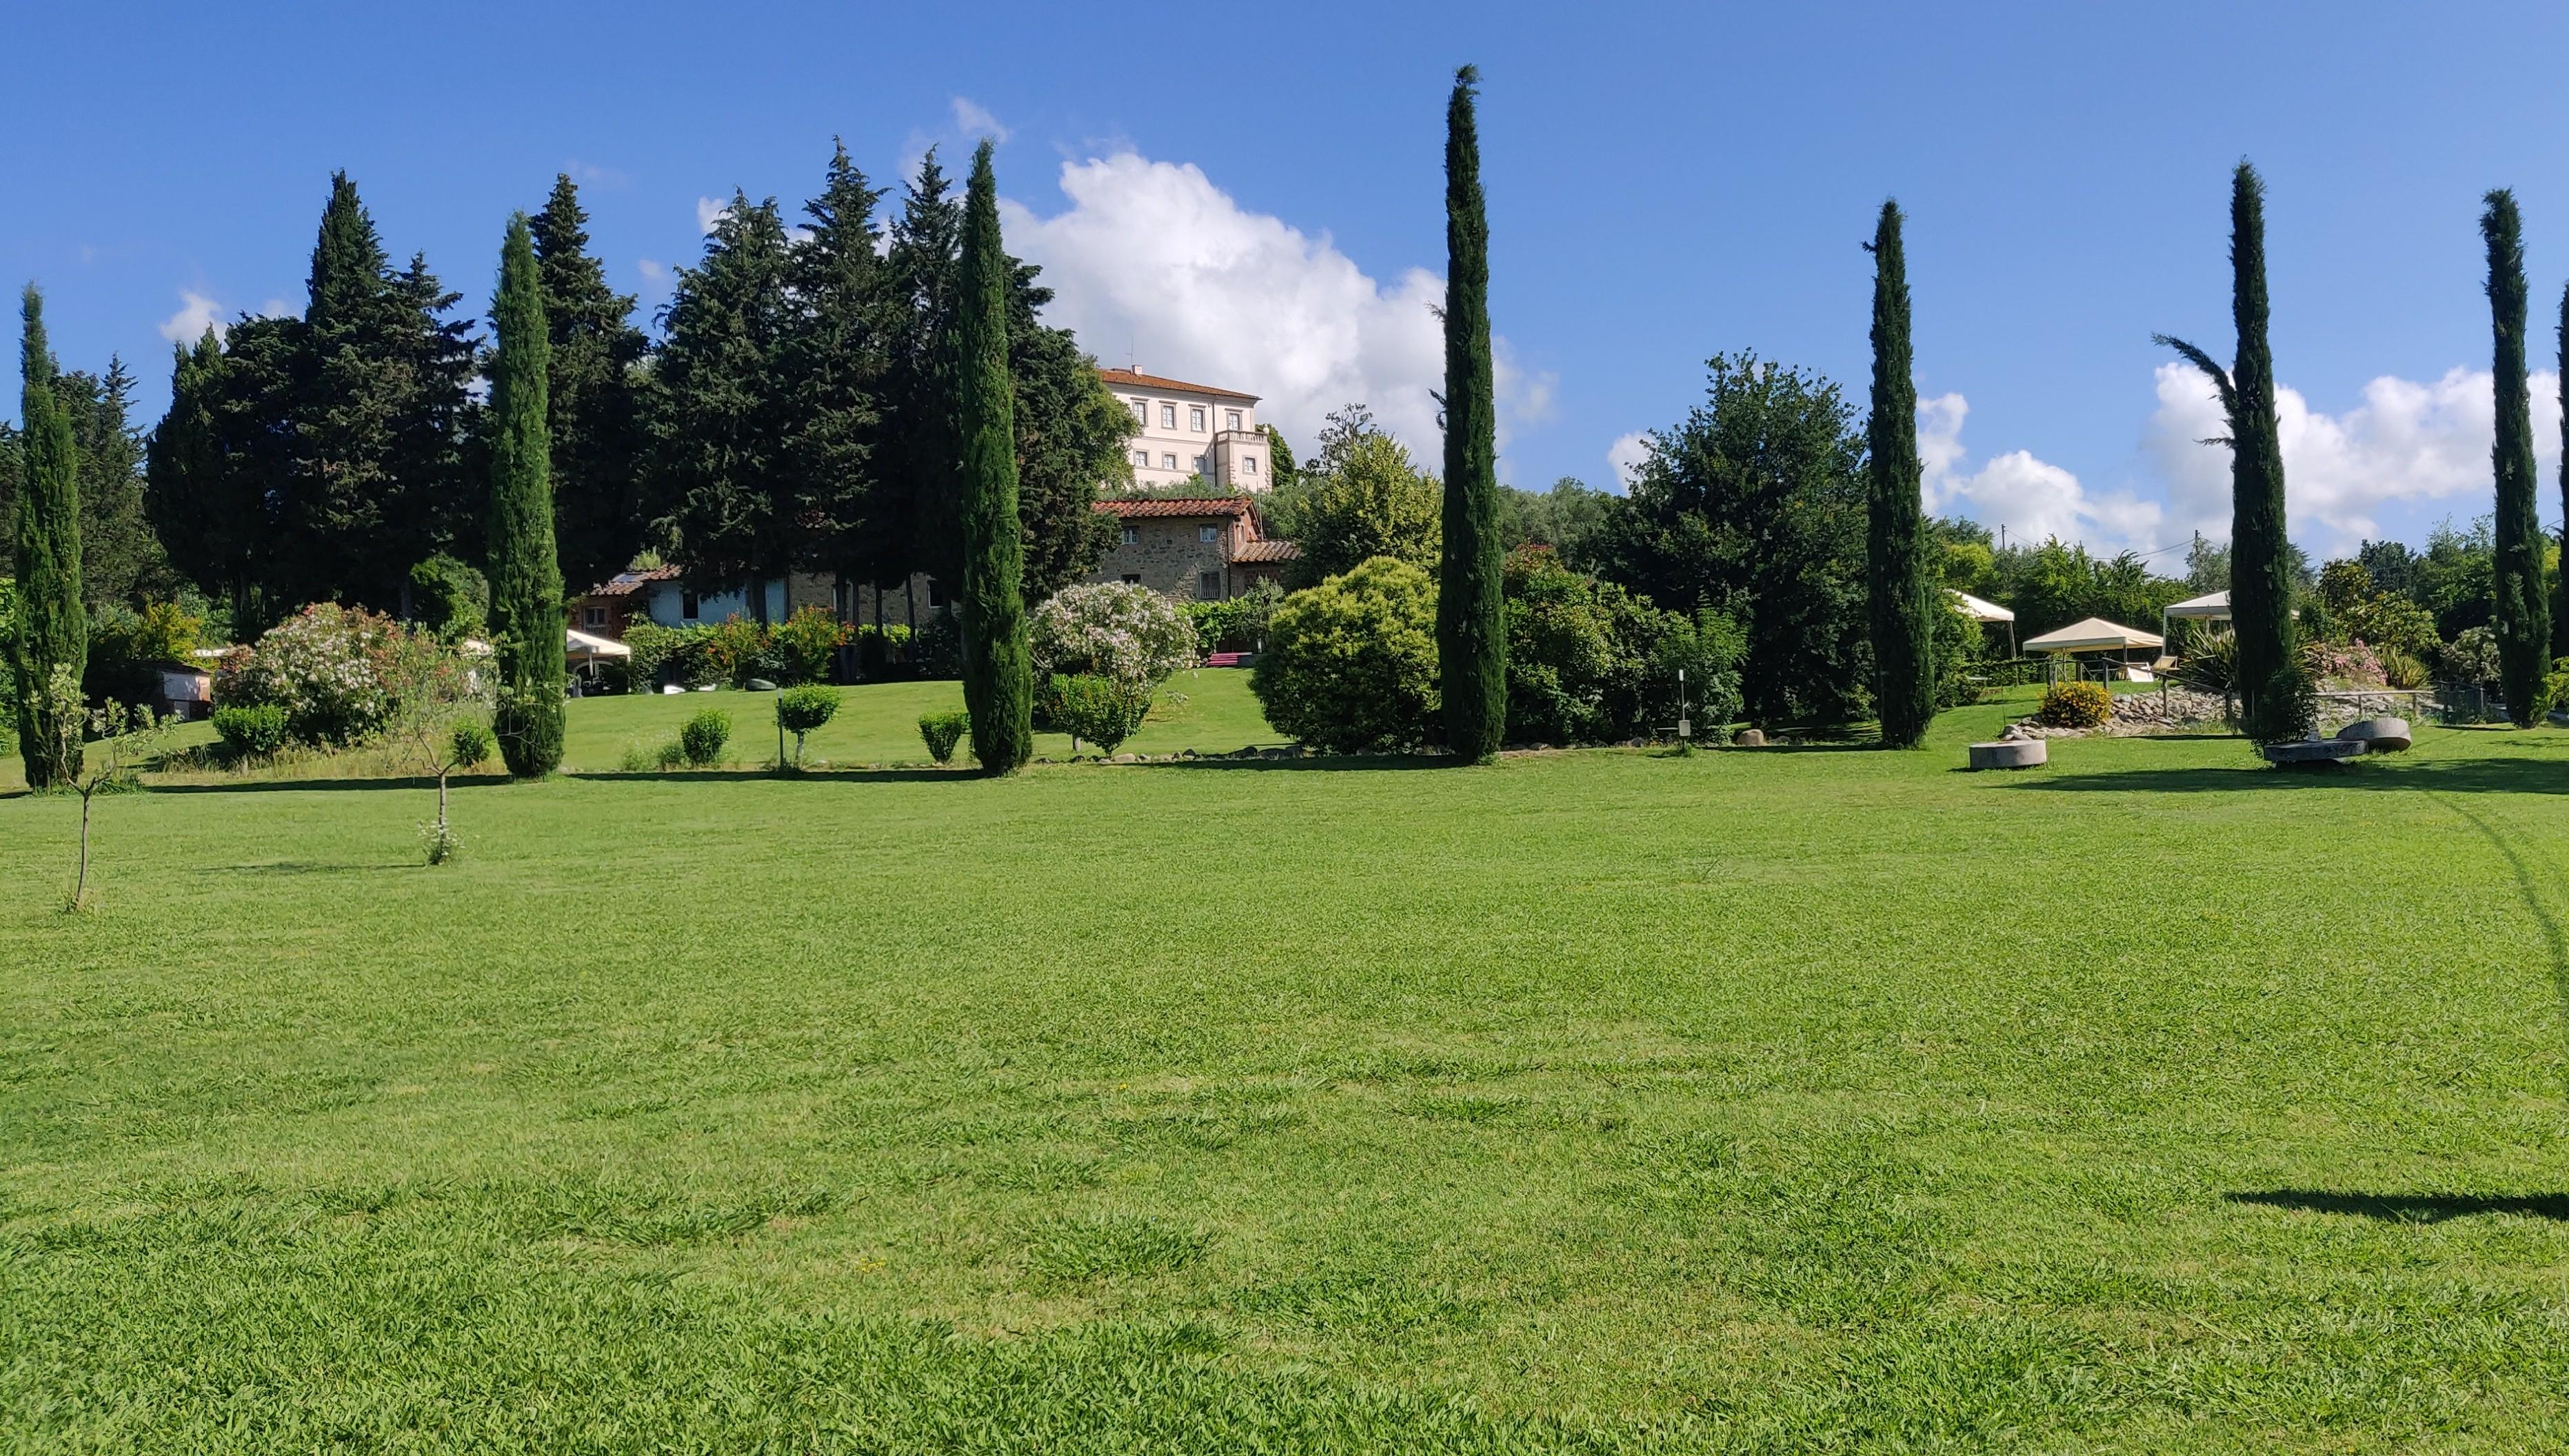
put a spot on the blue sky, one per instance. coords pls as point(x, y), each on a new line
point(1256, 196)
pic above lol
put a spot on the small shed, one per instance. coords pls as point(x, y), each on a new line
point(2097, 635)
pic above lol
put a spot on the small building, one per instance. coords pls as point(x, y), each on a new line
point(1209, 549)
point(1187, 430)
point(664, 595)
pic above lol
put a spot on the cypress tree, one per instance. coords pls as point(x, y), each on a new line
point(2522, 609)
point(526, 574)
point(1471, 622)
point(2560, 578)
point(53, 628)
point(1903, 599)
point(2261, 580)
point(998, 688)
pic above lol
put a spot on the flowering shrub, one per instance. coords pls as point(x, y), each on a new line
point(1111, 629)
point(2339, 667)
point(805, 646)
point(2074, 705)
point(343, 673)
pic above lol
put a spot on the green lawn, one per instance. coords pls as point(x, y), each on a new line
point(1209, 710)
point(1769, 1101)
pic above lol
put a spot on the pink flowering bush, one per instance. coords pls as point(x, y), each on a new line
point(344, 674)
point(1111, 629)
point(2344, 666)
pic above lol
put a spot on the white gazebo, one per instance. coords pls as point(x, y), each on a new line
point(2095, 634)
point(2212, 606)
point(1984, 613)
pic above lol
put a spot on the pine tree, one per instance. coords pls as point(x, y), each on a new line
point(53, 628)
point(2261, 572)
point(1896, 576)
point(998, 690)
point(912, 526)
point(217, 462)
point(835, 360)
point(598, 517)
point(525, 573)
point(1471, 622)
point(2522, 608)
point(722, 410)
point(121, 562)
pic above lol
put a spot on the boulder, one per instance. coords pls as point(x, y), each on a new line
point(2378, 735)
point(2011, 753)
point(1124, 758)
point(760, 686)
point(1750, 738)
point(2312, 751)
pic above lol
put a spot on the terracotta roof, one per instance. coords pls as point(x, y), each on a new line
point(626, 583)
point(1267, 551)
point(1205, 506)
point(1135, 379)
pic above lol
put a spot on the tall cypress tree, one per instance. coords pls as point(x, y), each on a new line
point(2560, 578)
point(1902, 597)
point(525, 573)
point(53, 628)
point(999, 686)
point(2261, 580)
point(2522, 609)
point(1471, 621)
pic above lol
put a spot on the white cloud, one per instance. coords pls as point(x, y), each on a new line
point(974, 120)
point(196, 313)
point(2405, 443)
point(651, 269)
point(1622, 457)
point(1152, 264)
point(2032, 498)
point(710, 210)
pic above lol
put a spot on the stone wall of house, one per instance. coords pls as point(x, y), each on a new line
point(1169, 555)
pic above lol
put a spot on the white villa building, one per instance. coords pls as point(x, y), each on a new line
point(1192, 430)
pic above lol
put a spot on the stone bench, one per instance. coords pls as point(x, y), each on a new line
point(2011, 753)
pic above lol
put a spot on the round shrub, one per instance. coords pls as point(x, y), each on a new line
point(704, 735)
point(251, 730)
point(805, 646)
point(2075, 705)
point(942, 731)
point(1100, 712)
point(1112, 629)
point(1350, 664)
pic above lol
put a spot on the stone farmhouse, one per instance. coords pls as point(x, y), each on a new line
point(1206, 549)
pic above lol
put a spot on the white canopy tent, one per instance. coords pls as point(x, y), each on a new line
point(1984, 611)
point(2212, 606)
point(2094, 634)
point(580, 648)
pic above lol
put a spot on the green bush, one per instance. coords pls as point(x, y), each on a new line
point(452, 599)
point(877, 649)
point(936, 649)
point(1111, 629)
point(2555, 688)
point(801, 710)
point(1588, 661)
point(2075, 705)
point(252, 731)
point(2290, 705)
point(681, 655)
point(472, 745)
point(738, 651)
point(1099, 710)
point(805, 646)
point(704, 735)
point(942, 731)
point(1350, 664)
point(1237, 624)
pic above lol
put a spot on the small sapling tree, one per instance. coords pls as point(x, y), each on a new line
point(440, 727)
point(800, 711)
point(119, 739)
point(468, 747)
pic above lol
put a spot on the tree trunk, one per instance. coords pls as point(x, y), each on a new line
point(79, 885)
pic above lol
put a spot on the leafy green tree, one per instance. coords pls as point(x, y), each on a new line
point(1362, 497)
point(998, 690)
point(1565, 518)
point(2261, 577)
point(1281, 472)
point(722, 408)
point(590, 399)
point(1471, 618)
point(526, 615)
point(1903, 595)
point(2522, 607)
point(51, 637)
point(1754, 506)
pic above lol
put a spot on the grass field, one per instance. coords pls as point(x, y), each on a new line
point(1773, 1101)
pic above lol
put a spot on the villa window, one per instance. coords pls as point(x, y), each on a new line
point(1169, 462)
point(1142, 458)
point(593, 617)
point(1132, 535)
point(1141, 411)
point(1208, 533)
point(1194, 418)
point(1248, 465)
point(936, 592)
point(1209, 585)
point(1168, 417)
point(1231, 418)
point(1132, 579)
point(687, 605)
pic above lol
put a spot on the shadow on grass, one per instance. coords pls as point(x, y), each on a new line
point(306, 867)
point(2408, 1207)
point(2470, 775)
point(795, 776)
point(1324, 764)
